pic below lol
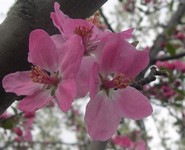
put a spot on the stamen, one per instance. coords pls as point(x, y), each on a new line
point(84, 32)
point(95, 19)
point(40, 76)
point(118, 82)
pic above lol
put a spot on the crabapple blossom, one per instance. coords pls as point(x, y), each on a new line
point(90, 34)
point(52, 75)
point(111, 97)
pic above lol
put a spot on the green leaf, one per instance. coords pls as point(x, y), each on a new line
point(7, 124)
point(170, 48)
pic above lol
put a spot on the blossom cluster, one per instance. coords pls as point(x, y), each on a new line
point(83, 59)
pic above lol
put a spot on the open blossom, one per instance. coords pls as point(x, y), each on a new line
point(111, 97)
point(52, 74)
point(90, 34)
point(83, 28)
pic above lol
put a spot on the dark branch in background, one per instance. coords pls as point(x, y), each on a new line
point(165, 58)
point(106, 20)
point(151, 77)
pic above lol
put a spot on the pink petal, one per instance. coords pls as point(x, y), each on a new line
point(122, 141)
point(42, 51)
point(71, 56)
point(58, 17)
point(65, 94)
point(133, 104)
point(110, 54)
point(35, 102)
point(127, 34)
point(121, 57)
point(20, 83)
point(102, 117)
point(94, 80)
point(131, 61)
point(58, 40)
point(82, 76)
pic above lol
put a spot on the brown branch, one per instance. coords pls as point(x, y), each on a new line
point(106, 20)
point(165, 58)
point(151, 77)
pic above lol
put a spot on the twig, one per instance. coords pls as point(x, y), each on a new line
point(105, 20)
point(151, 77)
point(171, 57)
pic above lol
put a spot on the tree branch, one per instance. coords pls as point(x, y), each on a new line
point(165, 58)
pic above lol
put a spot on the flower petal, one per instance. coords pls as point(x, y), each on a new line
point(66, 93)
point(71, 56)
point(20, 83)
point(94, 80)
point(133, 104)
point(58, 17)
point(35, 101)
point(42, 51)
point(127, 34)
point(59, 40)
point(131, 61)
point(110, 54)
point(102, 117)
point(82, 76)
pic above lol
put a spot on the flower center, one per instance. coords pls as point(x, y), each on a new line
point(84, 32)
point(118, 82)
point(41, 76)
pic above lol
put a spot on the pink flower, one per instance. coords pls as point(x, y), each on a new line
point(83, 28)
point(180, 35)
point(111, 96)
point(18, 131)
point(53, 73)
point(87, 30)
point(122, 141)
point(167, 65)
